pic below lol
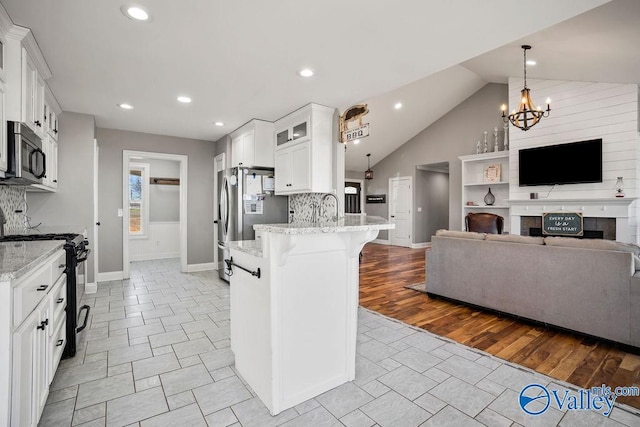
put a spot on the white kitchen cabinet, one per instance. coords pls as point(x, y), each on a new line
point(51, 111)
point(32, 95)
point(304, 161)
point(37, 303)
point(251, 145)
point(31, 367)
point(293, 174)
point(475, 185)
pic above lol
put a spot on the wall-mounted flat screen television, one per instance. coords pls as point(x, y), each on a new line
point(571, 163)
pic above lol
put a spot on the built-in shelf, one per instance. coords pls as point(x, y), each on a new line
point(487, 207)
point(486, 184)
point(475, 169)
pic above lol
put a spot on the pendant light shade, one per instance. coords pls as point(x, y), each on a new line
point(368, 174)
point(528, 114)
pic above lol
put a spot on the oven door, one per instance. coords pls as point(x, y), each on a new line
point(81, 273)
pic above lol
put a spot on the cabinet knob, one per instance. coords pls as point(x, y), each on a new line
point(37, 123)
point(62, 265)
point(55, 180)
point(55, 130)
point(43, 324)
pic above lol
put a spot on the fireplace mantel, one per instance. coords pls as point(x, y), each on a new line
point(618, 208)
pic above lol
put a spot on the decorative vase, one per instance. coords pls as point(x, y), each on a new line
point(506, 136)
point(489, 199)
point(495, 140)
point(486, 145)
point(478, 147)
point(619, 187)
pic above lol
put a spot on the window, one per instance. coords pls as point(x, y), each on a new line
point(138, 199)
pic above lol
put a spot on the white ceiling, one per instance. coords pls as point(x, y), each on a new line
point(238, 59)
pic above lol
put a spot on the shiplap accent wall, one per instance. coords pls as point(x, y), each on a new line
point(582, 111)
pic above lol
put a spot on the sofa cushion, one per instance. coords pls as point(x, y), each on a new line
point(461, 234)
point(601, 244)
point(514, 238)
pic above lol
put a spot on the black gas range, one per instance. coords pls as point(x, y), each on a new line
point(77, 251)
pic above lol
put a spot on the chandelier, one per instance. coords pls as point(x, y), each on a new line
point(368, 174)
point(528, 113)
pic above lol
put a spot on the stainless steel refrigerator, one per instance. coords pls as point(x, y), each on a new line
point(246, 197)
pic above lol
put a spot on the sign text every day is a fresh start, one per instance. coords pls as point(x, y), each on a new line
point(562, 224)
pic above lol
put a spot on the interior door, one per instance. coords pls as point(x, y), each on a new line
point(400, 201)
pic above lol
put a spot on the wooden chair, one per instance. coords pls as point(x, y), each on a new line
point(483, 222)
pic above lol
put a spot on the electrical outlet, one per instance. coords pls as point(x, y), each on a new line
point(120, 214)
point(419, 209)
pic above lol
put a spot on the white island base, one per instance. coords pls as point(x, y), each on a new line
point(293, 330)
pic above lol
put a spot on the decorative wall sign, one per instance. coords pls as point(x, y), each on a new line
point(562, 224)
point(376, 198)
point(492, 173)
point(353, 114)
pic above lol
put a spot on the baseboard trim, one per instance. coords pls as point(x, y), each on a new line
point(420, 245)
point(381, 242)
point(109, 276)
point(151, 257)
point(192, 268)
point(90, 288)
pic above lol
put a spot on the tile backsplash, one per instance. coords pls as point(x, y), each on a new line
point(304, 205)
point(12, 198)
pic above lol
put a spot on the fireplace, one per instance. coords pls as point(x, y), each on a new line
point(594, 228)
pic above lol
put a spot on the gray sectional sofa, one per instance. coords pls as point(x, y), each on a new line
point(588, 286)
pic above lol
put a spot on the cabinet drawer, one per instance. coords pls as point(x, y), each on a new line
point(58, 264)
point(57, 343)
point(58, 303)
point(30, 292)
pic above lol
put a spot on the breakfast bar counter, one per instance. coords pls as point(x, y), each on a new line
point(294, 306)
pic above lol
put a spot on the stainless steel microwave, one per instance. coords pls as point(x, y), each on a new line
point(25, 158)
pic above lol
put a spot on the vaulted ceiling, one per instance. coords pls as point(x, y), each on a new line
point(239, 59)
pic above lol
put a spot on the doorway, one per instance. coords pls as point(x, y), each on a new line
point(400, 208)
point(354, 196)
point(432, 200)
point(138, 182)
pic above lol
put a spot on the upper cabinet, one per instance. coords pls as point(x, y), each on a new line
point(305, 141)
point(252, 145)
point(26, 72)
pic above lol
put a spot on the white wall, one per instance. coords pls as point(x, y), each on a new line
point(581, 111)
point(163, 241)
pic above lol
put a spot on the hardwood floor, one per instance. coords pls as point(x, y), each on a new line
point(585, 362)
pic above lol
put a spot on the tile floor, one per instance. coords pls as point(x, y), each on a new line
point(157, 353)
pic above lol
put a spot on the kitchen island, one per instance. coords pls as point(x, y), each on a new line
point(294, 307)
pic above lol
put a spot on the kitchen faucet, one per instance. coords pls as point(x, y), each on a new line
point(335, 218)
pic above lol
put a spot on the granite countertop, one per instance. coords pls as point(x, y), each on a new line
point(49, 229)
point(348, 223)
point(251, 247)
point(17, 258)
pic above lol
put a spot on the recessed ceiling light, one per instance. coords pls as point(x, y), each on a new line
point(126, 106)
point(531, 62)
point(219, 124)
point(305, 72)
point(136, 13)
point(398, 105)
point(184, 99)
point(356, 141)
